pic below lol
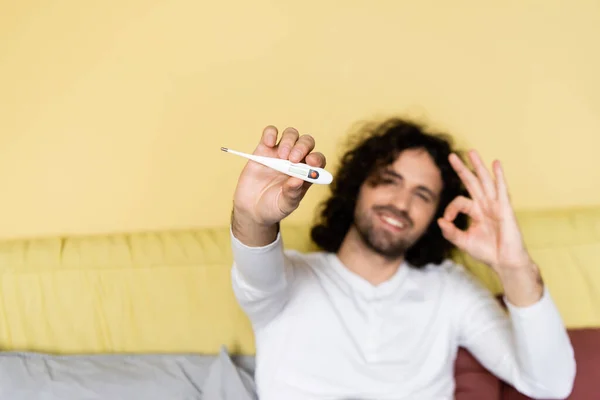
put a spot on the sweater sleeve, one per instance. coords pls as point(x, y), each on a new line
point(529, 347)
point(261, 278)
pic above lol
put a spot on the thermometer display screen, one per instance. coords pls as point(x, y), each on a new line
point(299, 171)
point(310, 173)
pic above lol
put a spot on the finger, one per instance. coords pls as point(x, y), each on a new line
point(466, 176)
point(454, 235)
point(288, 140)
point(501, 186)
point(484, 176)
point(460, 204)
point(304, 145)
point(316, 159)
point(269, 136)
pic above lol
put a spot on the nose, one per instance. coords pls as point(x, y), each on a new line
point(402, 199)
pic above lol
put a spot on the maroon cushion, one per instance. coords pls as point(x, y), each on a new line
point(473, 381)
point(586, 343)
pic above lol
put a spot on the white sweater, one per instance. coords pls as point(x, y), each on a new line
point(323, 332)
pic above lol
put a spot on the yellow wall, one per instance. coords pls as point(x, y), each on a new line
point(112, 113)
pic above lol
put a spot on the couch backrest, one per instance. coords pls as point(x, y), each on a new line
point(170, 291)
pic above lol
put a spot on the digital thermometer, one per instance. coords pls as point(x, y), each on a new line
point(298, 170)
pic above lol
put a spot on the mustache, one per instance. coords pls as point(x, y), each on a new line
point(399, 214)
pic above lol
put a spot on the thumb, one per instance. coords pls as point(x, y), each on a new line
point(292, 192)
point(454, 235)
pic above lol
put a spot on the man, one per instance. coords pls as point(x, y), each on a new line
point(381, 311)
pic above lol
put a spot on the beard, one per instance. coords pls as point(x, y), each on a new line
point(380, 240)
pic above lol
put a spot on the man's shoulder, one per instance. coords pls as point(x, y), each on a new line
point(462, 281)
point(450, 271)
point(309, 258)
point(447, 268)
point(307, 266)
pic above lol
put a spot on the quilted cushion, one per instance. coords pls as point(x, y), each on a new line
point(171, 291)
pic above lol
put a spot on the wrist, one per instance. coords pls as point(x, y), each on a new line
point(250, 232)
point(523, 285)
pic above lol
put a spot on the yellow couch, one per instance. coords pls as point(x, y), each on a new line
point(170, 291)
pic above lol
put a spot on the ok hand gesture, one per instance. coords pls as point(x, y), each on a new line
point(493, 236)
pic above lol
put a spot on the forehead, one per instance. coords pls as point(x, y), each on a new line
point(417, 167)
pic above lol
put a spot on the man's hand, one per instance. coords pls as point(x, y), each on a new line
point(263, 196)
point(493, 236)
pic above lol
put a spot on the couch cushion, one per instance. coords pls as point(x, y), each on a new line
point(171, 291)
point(135, 293)
point(586, 343)
point(473, 381)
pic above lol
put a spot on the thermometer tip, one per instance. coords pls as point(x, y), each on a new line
point(225, 149)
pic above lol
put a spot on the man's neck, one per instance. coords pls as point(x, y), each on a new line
point(363, 261)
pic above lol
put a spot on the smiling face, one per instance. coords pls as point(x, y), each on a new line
point(396, 205)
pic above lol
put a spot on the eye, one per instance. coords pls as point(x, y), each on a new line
point(423, 197)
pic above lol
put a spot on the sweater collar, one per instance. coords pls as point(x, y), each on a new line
point(402, 283)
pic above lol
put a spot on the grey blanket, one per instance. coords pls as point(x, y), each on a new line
point(35, 376)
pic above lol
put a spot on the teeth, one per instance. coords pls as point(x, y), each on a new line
point(394, 222)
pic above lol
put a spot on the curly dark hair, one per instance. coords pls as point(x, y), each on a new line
point(378, 146)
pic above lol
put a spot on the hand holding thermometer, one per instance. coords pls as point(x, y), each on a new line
point(298, 170)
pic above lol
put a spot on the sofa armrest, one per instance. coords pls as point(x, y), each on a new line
point(473, 381)
point(586, 343)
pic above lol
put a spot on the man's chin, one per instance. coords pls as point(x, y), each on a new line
point(388, 241)
point(388, 250)
point(383, 242)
